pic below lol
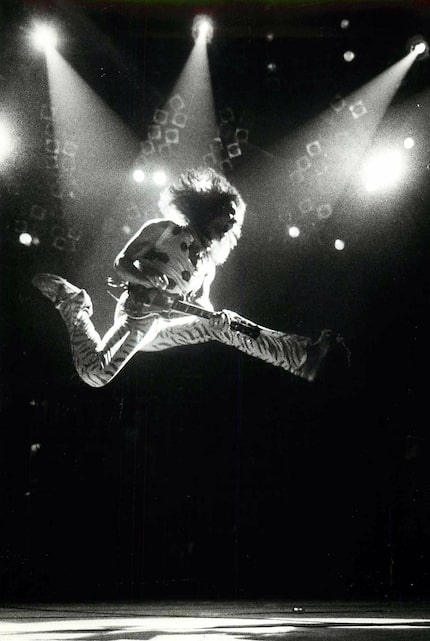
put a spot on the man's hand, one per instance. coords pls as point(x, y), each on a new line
point(221, 320)
point(150, 277)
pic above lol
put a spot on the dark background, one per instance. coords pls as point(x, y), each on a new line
point(200, 472)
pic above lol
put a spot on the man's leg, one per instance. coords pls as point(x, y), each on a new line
point(96, 360)
point(296, 354)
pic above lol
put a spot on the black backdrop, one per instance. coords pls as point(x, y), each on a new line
point(200, 472)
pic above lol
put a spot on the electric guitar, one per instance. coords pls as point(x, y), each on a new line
point(142, 301)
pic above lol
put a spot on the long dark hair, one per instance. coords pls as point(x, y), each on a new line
point(198, 196)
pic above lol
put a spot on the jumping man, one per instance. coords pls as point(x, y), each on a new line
point(168, 268)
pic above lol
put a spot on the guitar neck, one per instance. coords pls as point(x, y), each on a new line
point(142, 301)
point(189, 308)
point(249, 329)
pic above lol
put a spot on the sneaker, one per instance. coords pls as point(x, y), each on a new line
point(325, 351)
point(57, 289)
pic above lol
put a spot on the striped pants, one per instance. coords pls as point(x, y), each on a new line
point(98, 360)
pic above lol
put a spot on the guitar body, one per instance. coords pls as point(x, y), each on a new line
point(143, 301)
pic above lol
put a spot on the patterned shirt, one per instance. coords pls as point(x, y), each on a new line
point(176, 253)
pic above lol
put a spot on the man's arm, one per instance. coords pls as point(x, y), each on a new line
point(203, 300)
point(135, 250)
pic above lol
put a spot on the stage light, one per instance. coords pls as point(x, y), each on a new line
point(25, 239)
point(203, 29)
point(382, 171)
point(418, 46)
point(6, 142)
point(344, 24)
point(270, 37)
point(161, 116)
point(159, 177)
point(171, 136)
point(44, 37)
point(241, 135)
point(294, 231)
point(349, 56)
point(179, 120)
point(210, 160)
point(234, 150)
point(408, 142)
point(139, 175)
point(177, 103)
point(324, 211)
point(147, 148)
point(339, 244)
point(154, 132)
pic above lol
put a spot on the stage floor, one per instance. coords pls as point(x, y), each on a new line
point(217, 621)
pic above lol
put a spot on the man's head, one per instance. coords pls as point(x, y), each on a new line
point(206, 200)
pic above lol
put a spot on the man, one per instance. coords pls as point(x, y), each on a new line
point(173, 260)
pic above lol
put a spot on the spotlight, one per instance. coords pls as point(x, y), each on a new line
point(349, 56)
point(419, 47)
point(294, 231)
point(383, 171)
point(159, 177)
point(203, 29)
point(25, 239)
point(339, 244)
point(139, 175)
point(44, 37)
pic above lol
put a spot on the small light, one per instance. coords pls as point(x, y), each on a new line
point(126, 230)
point(25, 239)
point(44, 37)
point(271, 67)
point(339, 244)
point(294, 231)
point(349, 56)
point(159, 177)
point(139, 175)
point(270, 37)
point(408, 142)
point(344, 24)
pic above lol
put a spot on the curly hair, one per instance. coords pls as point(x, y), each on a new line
point(197, 197)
